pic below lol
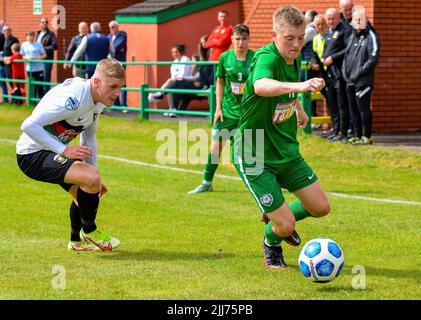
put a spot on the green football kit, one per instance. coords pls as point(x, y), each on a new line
point(234, 72)
point(267, 155)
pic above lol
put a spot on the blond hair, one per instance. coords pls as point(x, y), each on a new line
point(111, 68)
point(287, 15)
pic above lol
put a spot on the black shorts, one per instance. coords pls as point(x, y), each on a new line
point(45, 166)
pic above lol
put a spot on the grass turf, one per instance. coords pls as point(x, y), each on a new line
point(206, 246)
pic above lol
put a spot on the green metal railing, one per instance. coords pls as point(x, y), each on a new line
point(144, 109)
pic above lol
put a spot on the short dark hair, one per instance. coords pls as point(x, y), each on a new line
point(223, 11)
point(310, 15)
point(241, 29)
point(181, 48)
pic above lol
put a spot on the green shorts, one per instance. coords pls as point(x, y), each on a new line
point(224, 130)
point(266, 186)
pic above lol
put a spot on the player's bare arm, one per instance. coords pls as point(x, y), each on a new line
point(272, 88)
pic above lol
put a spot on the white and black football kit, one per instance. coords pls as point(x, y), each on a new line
point(66, 111)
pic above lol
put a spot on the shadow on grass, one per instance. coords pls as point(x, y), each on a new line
point(393, 273)
point(154, 255)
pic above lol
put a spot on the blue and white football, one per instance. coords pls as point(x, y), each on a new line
point(321, 260)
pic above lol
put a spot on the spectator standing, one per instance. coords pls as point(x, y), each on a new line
point(77, 70)
point(18, 72)
point(49, 41)
point(345, 7)
point(118, 39)
point(309, 34)
point(219, 40)
point(3, 69)
point(361, 58)
point(95, 47)
point(335, 45)
point(318, 46)
point(7, 49)
point(32, 49)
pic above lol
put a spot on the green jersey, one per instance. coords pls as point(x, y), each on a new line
point(275, 115)
point(235, 73)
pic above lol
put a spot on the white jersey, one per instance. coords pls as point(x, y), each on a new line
point(65, 111)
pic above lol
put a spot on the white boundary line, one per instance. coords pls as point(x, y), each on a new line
point(152, 165)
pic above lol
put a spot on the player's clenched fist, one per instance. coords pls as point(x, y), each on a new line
point(315, 84)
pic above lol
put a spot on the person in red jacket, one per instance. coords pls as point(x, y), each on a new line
point(18, 72)
point(220, 38)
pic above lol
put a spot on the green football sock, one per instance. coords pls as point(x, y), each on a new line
point(211, 166)
point(271, 237)
point(299, 211)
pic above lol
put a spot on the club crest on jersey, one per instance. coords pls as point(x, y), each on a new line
point(266, 199)
point(284, 111)
point(60, 159)
point(71, 103)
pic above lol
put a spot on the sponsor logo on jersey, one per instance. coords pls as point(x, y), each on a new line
point(266, 199)
point(284, 111)
point(63, 131)
point(237, 88)
point(71, 103)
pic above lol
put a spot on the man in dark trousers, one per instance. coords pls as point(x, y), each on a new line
point(2, 70)
point(95, 47)
point(361, 58)
point(49, 41)
point(77, 70)
point(9, 40)
point(118, 39)
point(335, 45)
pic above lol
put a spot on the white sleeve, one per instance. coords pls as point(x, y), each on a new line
point(33, 126)
point(88, 138)
point(80, 49)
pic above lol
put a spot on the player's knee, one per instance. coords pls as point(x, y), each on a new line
point(284, 228)
point(93, 182)
point(322, 209)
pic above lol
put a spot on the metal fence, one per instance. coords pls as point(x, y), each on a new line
point(144, 109)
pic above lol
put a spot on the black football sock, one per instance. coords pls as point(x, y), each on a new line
point(75, 222)
point(88, 207)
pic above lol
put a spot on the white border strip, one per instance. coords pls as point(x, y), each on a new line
point(152, 165)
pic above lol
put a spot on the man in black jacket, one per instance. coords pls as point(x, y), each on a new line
point(9, 40)
point(77, 70)
point(335, 45)
point(361, 58)
point(49, 41)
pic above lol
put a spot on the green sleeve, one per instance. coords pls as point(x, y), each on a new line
point(220, 73)
point(264, 67)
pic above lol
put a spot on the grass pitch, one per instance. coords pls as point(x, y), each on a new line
point(207, 246)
